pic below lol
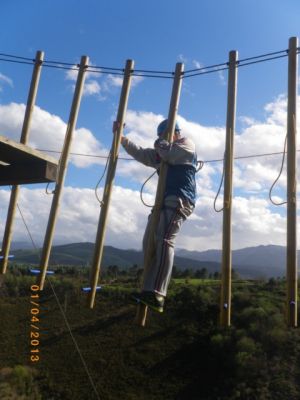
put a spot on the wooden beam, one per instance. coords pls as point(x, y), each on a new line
point(14, 152)
point(225, 314)
point(62, 171)
point(24, 139)
point(99, 243)
point(28, 173)
point(291, 253)
point(142, 310)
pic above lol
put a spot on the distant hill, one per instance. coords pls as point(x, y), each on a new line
point(259, 261)
point(82, 253)
point(251, 262)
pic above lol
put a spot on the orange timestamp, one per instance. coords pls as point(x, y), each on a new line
point(34, 323)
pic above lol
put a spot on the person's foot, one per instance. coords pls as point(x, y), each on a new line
point(151, 299)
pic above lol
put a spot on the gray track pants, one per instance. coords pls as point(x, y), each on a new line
point(174, 212)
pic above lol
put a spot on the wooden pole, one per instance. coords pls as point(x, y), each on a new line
point(225, 306)
point(291, 253)
point(99, 243)
point(150, 248)
point(24, 140)
point(62, 171)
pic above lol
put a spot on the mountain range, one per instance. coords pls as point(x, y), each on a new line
point(251, 262)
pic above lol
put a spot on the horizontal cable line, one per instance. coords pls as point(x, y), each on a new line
point(205, 72)
point(131, 159)
point(85, 155)
point(205, 68)
point(109, 68)
point(154, 72)
point(17, 57)
point(240, 61)
point(61, 63)
point(260, 61)
point(249, 156)
point(148, 73)
point(239, 64)
point(17, 62)
point(61, 67)
point(106, 72)
point(264, 55)
point(152, 76)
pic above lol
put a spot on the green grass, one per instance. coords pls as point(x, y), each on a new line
point(208, 282)
point(181, 354)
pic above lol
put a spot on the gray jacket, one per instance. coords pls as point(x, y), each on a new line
point(182, 162)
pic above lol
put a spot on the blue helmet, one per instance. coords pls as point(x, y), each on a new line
point(163, 126)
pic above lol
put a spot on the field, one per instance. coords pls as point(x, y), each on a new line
point(181, 354)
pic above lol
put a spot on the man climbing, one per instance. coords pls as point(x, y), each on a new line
point(178, 204)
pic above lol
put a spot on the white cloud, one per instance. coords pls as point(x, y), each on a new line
point(78, 216)
point(5, 80)
point(222, 78)
point(197, 64)
point(114, 80)
point(48, 132)
point(91, 87)
point(253, 221)
point(181, 58)
point(117, 81)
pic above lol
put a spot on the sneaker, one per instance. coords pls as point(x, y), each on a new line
point(152, 300)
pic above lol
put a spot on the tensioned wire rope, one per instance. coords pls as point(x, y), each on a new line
point(61, 308)
point(202, 162)
point(132, 159)
point(157, 74)
point(147, 72)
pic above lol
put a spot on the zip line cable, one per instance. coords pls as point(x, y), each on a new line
point(61, 309)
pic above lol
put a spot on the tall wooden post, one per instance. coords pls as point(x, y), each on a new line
point(150, 248)
point(225, 305)
point(99, 244)
point(62, 171)
point(24, 140)
point(291, 253)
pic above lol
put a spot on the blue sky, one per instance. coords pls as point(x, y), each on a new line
point(156, 35)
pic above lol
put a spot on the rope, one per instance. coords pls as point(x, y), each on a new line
point(280, 172)
point(132, 159)
point(74, 340)
point(46, 190)
point(62, 311)
point(99, 181)
point(199, 167)
point(220, 186)
point(142, 188)
point(149, 73)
